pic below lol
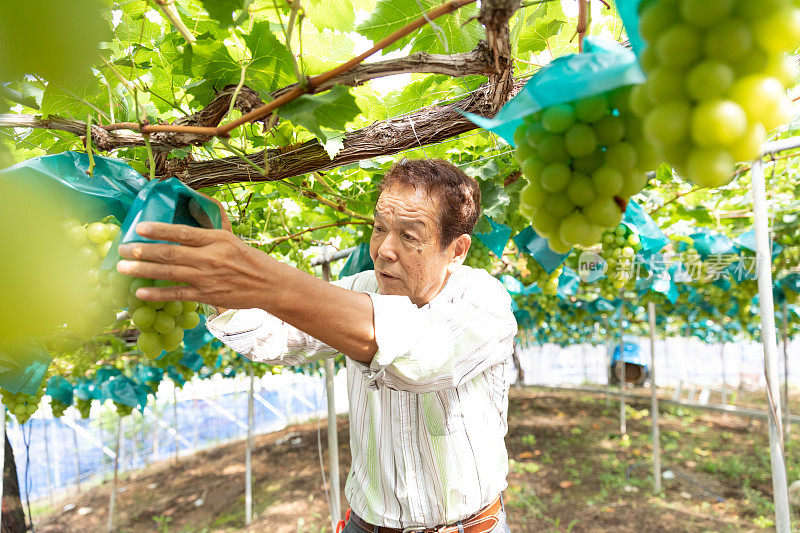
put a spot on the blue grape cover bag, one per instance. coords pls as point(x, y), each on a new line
point(602, 66)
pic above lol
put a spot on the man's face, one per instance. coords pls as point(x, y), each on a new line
point(406, 245)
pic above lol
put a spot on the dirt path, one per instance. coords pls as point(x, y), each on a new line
point(569, 470)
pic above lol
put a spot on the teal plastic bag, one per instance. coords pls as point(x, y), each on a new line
point(515, 286)
point(660, 283)
point(59, 389)
point(629, 13)
point(87, 389)
point(23, 366)
point(106, 373)
point(742, 269)
point(601, 305)
point(196, 338)
point(496, 239)
point(530, 242)
point(192, 360)
point(524, 237)
point(122, 390)
point(175, 376)
point(640, 222)
point(747, 241)
point(603, 66)
point(359, 261)
point(707, 243)
point(110, 190)
point(723, 283)
point(568, 283)
point(169, 201)
point(148, 376)
point(791, 282)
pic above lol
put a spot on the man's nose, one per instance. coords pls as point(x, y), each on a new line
point(387, 249)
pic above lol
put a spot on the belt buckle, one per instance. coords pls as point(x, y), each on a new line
point(414, 529)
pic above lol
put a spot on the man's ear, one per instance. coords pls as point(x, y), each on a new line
point(460, 247)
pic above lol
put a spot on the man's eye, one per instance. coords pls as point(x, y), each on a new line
point(377, 228)
point(409, 237)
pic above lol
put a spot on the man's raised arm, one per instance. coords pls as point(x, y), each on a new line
point(222, 271)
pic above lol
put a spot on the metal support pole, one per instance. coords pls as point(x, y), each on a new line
point(584, 364)
point(77, 458)
point(724, 382)
point(57, 482)
point(609, 368)
point(155, 435)
point(47, 463)
point(248, 473)
point(175, 422)
point(3, 462)
point(651, 308)
point(333, 441)
point(623, 425)
point(768, 339)
point(112, 500)
point(785, 323)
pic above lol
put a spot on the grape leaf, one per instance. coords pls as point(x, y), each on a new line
point(342, 17)
point(334, 142)
point(324, 50)
point(268, 65)
point(222, 10)
point(330, 110)
point(74, 101)
point(447, 34)
point(494, 200)
point(545, 22)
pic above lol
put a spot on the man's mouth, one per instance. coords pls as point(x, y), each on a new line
point(386, 276)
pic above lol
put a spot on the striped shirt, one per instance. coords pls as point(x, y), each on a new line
point(428, 416)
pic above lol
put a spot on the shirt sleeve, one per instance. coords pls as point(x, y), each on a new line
point(264, 338)
point(447, 342)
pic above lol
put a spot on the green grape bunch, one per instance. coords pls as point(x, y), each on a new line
point(791, 248)
point(542, 307)
point(479, 256)
point(717, 74)
point(161, 324)
point(58, 407)
point(122, 409)
point(744, 293)
point(582, 160)
point(84, 407)
point(536, 274)
point(693, 263)
point(92, 243)
point(22, 405)
point(792, 297)
point(620, 246)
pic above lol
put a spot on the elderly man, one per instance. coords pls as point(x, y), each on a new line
point(428, 342)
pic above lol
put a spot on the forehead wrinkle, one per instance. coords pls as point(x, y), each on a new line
point(384, 212)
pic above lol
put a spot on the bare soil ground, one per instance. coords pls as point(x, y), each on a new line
point(569, 471)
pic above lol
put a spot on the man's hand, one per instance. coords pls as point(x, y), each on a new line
point(218, 267)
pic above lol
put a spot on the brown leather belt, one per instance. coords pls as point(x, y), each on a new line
point(481, 522)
